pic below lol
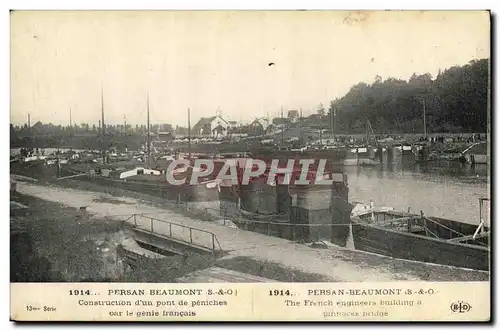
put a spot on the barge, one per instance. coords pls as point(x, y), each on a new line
point(421, 238)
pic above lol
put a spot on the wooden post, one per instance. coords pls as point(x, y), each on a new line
point(190, 236)
point(424, 221)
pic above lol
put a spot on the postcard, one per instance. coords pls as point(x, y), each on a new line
point(250, 165)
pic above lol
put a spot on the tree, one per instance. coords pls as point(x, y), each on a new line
point(456, 100)
point(321, 110)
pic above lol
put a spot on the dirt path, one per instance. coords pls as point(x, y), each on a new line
point(333, 264)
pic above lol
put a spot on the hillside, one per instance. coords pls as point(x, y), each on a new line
point(455, 101)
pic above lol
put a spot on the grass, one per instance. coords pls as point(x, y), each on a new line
point(54, 243)
point(51, 242)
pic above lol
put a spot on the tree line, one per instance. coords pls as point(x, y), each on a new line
point(455, 101)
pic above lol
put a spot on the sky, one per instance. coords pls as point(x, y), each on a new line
point(210, 60)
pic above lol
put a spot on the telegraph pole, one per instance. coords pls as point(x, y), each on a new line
point(332, 121)
point(425, 124)
point(282, 127)
point(149, 137)
point(103, 129)
point(189, 134)
point(29, 131)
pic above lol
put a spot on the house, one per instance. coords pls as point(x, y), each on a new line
point(214, 126)
point(259, 126)
point(293, 116)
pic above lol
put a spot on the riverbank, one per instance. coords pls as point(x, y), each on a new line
point(256, 254)
point(51, 242)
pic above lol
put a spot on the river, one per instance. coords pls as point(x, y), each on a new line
point(441, 190)
point(446, 190)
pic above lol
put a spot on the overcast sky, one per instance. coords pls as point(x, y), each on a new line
point(209, 60)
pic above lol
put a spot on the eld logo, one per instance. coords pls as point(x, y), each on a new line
point(460, 307)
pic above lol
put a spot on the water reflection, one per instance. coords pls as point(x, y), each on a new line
point(442, 171)
point(441, 189)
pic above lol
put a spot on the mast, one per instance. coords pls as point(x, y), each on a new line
point(149, 136)
point(282, 127)
point(189, 133)
point(321, 130)
point(425, 124)
point(366, 131)
point(29, 131)
point(332, 122)
point(369, 131)
point(124, 125)
point(103, 129)
point(70, 121)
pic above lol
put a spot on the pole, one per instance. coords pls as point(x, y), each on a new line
point(282, 127)
point(149, 137)
point(103, 129)
point(29, 131)
point(189, 133)
point(70, 121)
point(332, 123)
point(366, 132)
point(335, 124)
point(124, 125)
point(425, 124)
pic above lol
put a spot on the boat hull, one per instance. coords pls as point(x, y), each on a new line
point(409, 246)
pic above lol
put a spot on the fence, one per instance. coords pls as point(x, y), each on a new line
point(179, 232)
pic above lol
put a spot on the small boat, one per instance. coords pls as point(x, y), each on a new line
point(421, 238)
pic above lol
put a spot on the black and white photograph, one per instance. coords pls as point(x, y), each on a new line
point(250, 147)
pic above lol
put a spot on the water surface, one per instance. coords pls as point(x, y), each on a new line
point(447, 190)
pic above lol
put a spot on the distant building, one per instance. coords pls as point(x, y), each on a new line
point(293, 116)
point(259, 126)
point(214, 126)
